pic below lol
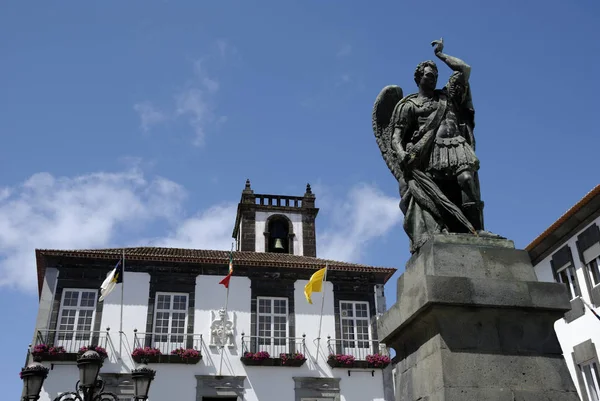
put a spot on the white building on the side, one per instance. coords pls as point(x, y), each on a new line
point(568, 252)
point(172, 300)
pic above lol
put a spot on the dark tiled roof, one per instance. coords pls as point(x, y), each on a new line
point(563, 227)
point(206, 256)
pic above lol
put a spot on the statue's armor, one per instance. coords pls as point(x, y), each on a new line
point(451, 154)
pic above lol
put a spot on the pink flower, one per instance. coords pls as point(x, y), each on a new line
point(378, 360)
point(146, 351)
point(186, 353)
point(41, 349)
point(295, 356)
point(257, 356)
point(101, 351)
point(342, 359)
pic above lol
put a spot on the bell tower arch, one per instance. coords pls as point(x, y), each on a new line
point(276, 223)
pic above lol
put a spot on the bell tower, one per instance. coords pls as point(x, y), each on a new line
point(276, 223)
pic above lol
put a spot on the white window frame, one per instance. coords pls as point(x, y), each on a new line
point(75, 342)
point(570, 284)
point(354, 318)
point(170, 345)
point(589, 269)
point(592, 368)
point(269, 344)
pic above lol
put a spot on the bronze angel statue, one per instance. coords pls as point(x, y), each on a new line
point(427, 141)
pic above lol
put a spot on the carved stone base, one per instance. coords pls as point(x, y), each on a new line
point(472, 323)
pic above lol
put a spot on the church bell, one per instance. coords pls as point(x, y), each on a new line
point(278, 244)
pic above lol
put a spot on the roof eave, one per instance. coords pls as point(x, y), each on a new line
point(565, 226)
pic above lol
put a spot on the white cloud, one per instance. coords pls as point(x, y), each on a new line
point(345, 50)
point(195, 102)
point(365, 214)
point(86, 211)
point(149, 115)
point(225, 48)
point(210, 229)
point(192, 103)
point(100, 209)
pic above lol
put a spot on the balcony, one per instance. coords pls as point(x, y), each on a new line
point(66, 345)
point(167, 348)
point(361, 353)
point(269, 351)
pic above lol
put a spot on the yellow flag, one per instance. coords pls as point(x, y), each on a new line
point(315, 284)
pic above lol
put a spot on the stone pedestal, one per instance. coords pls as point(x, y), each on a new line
point(472, 323)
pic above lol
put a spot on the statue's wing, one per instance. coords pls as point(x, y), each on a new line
point(383, 128)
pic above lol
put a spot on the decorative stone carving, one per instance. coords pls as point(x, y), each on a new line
point(222, 328)
point(220, 386)
point(317, 387)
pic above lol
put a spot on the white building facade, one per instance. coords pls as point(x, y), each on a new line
point(569, 252)
point(172, 300)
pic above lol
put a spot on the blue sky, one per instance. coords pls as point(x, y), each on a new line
point(137, 122)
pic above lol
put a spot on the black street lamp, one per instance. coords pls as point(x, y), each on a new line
point(89, 386)
point(33, 377)
point(142, 377)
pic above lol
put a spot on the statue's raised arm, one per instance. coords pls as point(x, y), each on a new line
point(454, 63)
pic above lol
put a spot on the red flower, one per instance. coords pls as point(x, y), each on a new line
point(257, 356)
point(186, 353)
point(378, 360)
point(342, 359)
point(101, 351)
point(146, 351)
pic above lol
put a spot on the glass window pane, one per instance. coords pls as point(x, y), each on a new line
point(564, 278)
point(179, 302)
point(573, 281)
point(594, 271)
point(591, 385)
point(70, 298)
point(88, 299)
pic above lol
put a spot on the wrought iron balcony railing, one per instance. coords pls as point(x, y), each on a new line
point(72, 341)
point(275, 346)
point(167, 342)
point(359, 349)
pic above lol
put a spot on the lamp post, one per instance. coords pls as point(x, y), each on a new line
point(89, 387)
point(142, 377)
point(33, 377)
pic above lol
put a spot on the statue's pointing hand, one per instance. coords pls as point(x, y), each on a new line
point(439, 45)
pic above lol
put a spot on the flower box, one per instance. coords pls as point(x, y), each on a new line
point(378, 361)
point(62, 357)
point(153, 355)
point(44, 352)
point(192, 360)
point(348, 365)
point(291, 360)
point(348, 362)
point(261, 358)
point(249, 361)
point(292, 363)
point(378, 366)
point(166, 359)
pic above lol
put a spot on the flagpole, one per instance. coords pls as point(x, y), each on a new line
point(321, 315)
point(226, 305)
point(590, 308)
point(122, 291)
